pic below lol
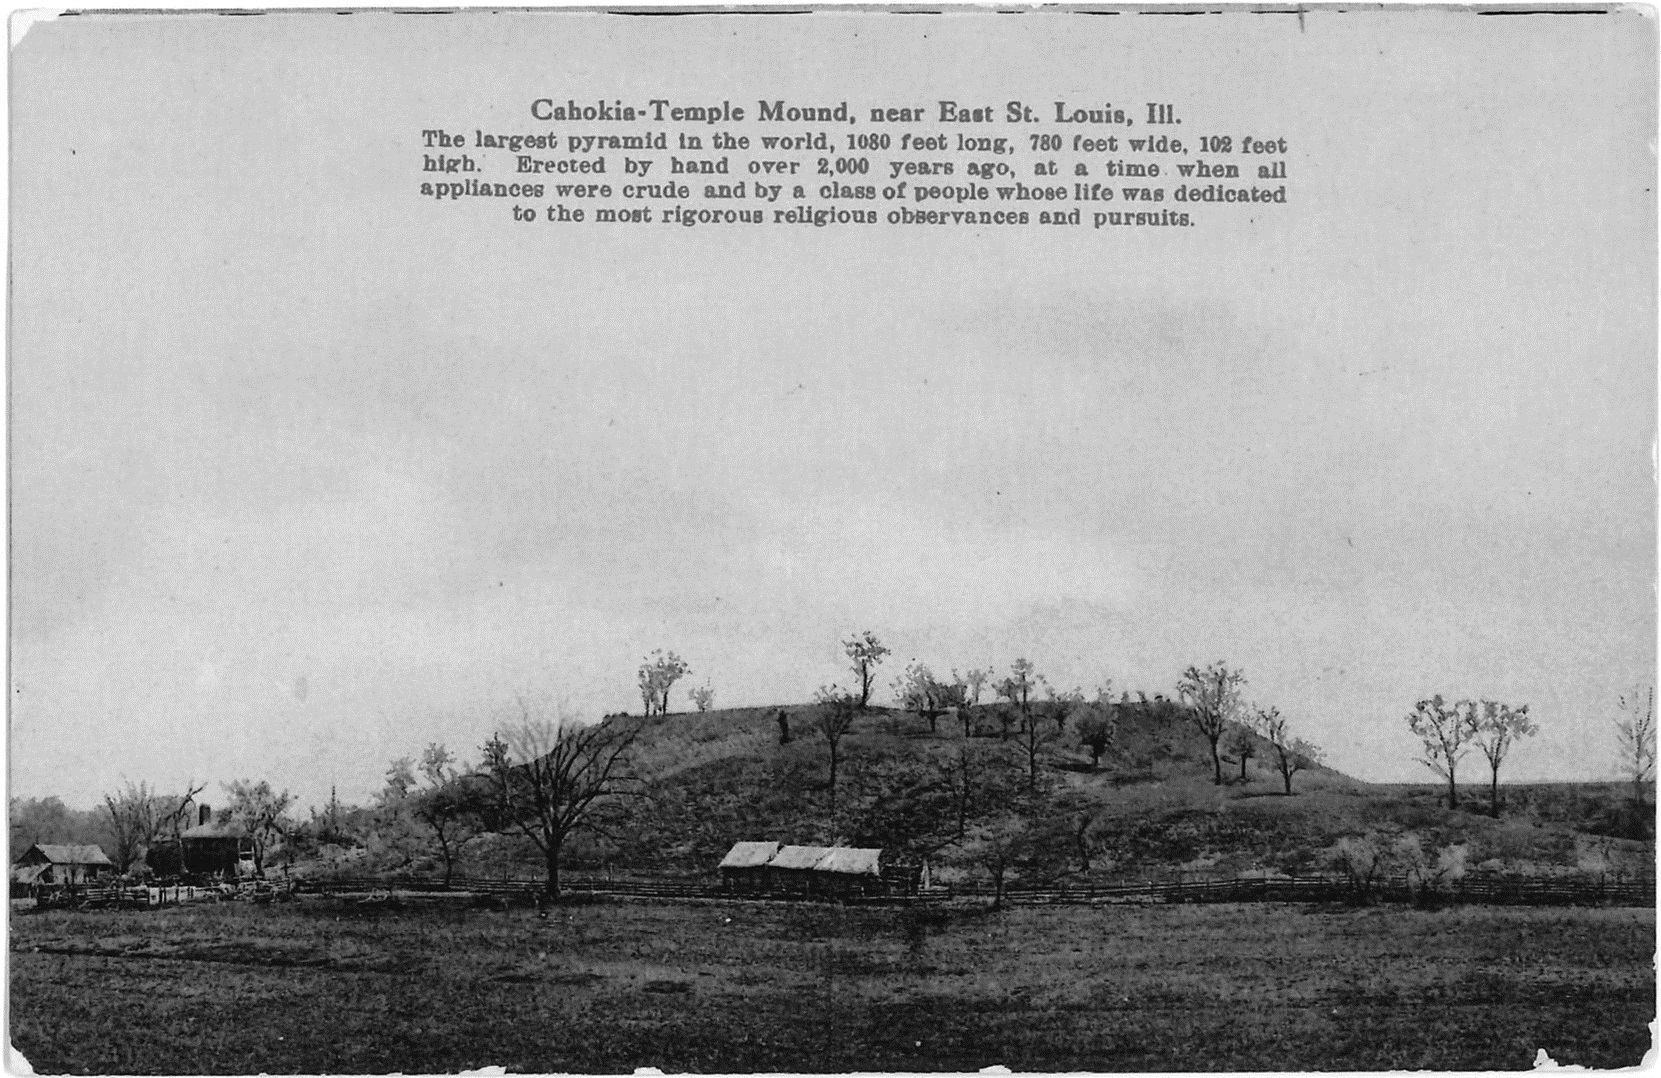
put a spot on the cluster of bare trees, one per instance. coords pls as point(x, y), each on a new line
point(1035, 715)
point(142, 820)
point(920, 691)
point(1215, 697)
point(1448, 731)
point(657, 675)
point(542, 778)
point(545, 777)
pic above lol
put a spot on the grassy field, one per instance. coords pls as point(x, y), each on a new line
point(329, 986)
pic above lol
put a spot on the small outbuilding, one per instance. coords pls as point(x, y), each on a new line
point(833, 872)
point(51, 865)
point(744, 869)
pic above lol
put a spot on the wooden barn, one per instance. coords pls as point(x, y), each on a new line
point(829, 872)
point(744, 869)
point(44, 865)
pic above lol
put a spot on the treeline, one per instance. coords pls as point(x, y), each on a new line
point(544, 787)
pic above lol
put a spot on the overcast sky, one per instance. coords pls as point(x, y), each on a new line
point(307, 472)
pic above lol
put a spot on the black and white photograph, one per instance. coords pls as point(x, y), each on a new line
point(832, 539)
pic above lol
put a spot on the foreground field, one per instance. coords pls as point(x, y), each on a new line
point(323, 986)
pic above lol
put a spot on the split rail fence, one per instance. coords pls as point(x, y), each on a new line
point(1397, 889)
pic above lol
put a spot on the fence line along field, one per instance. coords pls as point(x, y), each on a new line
point(326, 984)
point(1055, 883)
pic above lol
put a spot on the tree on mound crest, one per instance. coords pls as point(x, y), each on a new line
point(1213, 699)
point(658, 674)
point(865, 652)
point(920, 691)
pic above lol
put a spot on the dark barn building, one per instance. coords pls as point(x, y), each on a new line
point(211, 848)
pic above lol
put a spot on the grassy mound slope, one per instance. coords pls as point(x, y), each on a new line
point(1151, 810)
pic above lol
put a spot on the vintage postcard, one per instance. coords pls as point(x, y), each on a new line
point(817, 539)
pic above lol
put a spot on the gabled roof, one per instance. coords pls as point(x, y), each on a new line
point(218, 827)
point(71, 855)
point(798, 857)
point(843, 860)
point(850, 861)
point(749, 854)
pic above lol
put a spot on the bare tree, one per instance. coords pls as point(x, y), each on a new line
point(998, 849)
point(865, 652)
point(141, 818)
point(1635, 731)
point(1292, 754)
point(1242, 744)
point(1446, 733)
point(960, 777)
point(135, 821)
point(975, 680)
point(1213, 699)
point(1033, 735)
point(920, 691)
point(177, 812)
point(399, 781)
point(1498, 728)
point(452, 805)
point(1098, 730)
point(262, 813)
point(833, 718)
point(657, 675)
point(1063, 704)
point(1017, 688)
point(551, 776)
point(646, 679)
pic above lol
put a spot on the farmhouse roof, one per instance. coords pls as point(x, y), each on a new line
point(71, 855)
point(842, 860)
point(749, 854)
point(214, 829)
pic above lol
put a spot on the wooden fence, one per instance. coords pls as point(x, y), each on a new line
point(1509, 891)
point(117, 896)
point(1488, 890)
